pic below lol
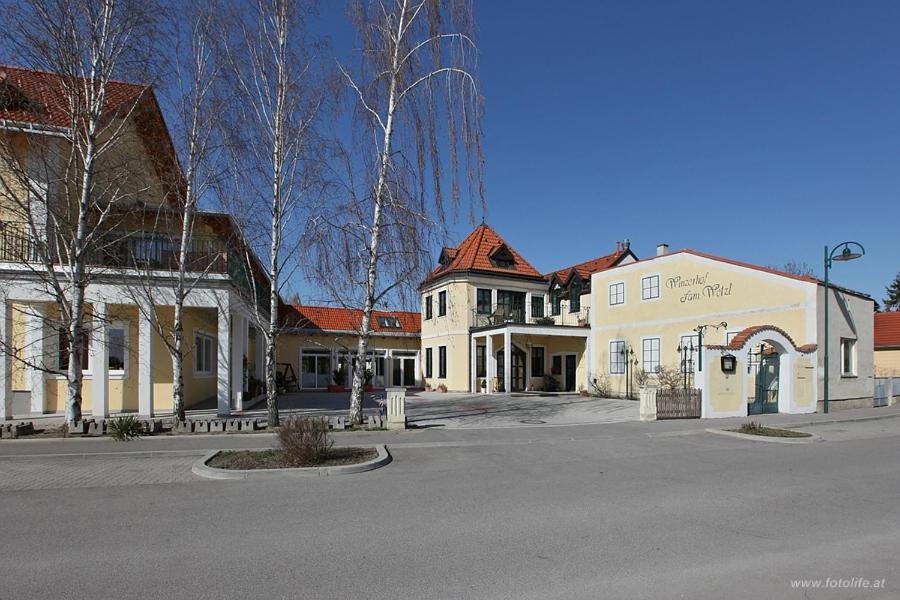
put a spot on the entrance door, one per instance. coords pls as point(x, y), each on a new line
point(315, 369)
point(517, 376)
point(765, 399)
point(570, 372)
point(409, 372)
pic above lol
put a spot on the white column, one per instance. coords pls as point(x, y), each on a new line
point(507, 360)
point(238, 339)
point(6, 404)
point(491, 365)
point(34, 340)
point(100, 362)
point(418, 382)
point(145, 362)
point(588, 361)
point(493, 300)
point(473, 380)
point(527, 308)
point(223, 360)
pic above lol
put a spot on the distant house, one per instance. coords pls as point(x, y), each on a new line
point(887, 344)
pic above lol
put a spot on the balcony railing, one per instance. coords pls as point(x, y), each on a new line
point(502, 316)
point(122, 249)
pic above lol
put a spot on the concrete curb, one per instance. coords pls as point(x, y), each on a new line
point(764, 438)
point(200, 467)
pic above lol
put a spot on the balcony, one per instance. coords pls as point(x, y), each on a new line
point(123, 250)
point(503, 316)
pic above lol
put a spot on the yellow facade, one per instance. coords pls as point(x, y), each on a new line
point(887, 362)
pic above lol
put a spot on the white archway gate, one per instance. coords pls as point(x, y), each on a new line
point(728, 378)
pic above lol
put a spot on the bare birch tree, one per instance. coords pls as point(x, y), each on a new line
point(196, 103)
point(416, 97)
point(85, 181)
point(276, 102)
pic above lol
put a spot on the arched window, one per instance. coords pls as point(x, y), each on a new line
point(555, 293)
point(575, 295)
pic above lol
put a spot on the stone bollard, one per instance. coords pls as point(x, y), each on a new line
point(233, 425)
point(78, 427)
point(396, 408)
point(95, 428)
point(183, 427)
point(248, 425)
point(201, 426)
point(20, 429)
point(648, 403)
point(217, 426)
point(6, 430)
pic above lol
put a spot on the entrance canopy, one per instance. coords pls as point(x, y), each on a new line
point(554, 350)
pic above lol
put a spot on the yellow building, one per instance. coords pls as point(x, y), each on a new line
point(887, 344)
point(129, 310)
point(615, 323)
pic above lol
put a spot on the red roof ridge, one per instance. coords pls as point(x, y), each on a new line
point(587, 267)
point(337, 318)
point(887, 329)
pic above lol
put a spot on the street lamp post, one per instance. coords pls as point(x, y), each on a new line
point(848, 251)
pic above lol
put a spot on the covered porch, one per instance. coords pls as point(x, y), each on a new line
point(516, 357)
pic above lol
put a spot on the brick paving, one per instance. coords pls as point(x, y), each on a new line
point(94, 471)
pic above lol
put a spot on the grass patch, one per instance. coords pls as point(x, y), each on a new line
point(275, 459)
point(754, 428)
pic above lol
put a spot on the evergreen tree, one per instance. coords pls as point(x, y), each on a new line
point(892, 302)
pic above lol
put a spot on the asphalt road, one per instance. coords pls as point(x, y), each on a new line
point(619, 510)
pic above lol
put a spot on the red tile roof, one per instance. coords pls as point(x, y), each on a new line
point(887, 330)
point(589, 267)
point(45, 97)
point(330, 318)
point(738, 341)
point(474, 254)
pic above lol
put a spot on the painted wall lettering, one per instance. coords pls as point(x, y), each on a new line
point(698, 287)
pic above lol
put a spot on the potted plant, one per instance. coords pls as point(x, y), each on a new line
point(340, 378)
point(483, 385)
point(368, 377)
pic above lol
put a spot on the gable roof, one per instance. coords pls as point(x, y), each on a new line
point(474, 255)
point(887, 330)
point(589, 267)
point(46, 97)
point(346, 320)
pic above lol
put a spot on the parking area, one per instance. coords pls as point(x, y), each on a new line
point(463, 410)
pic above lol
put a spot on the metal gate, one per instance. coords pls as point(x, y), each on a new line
point(763, 365)
point(678, 403)
point(885, 389)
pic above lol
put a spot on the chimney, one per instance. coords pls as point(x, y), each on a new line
point(618, 246)
point(662, 249)
point(626, 245)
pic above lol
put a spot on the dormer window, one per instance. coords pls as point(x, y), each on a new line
point(502, 257)
point(555, 297)
point(575, 288)
point(389, 322)
point(11, 97)
point(447, 256)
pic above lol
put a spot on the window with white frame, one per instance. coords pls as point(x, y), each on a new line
point(650, 348)
point(617, 293)
point(117, 348)
point(650, 287)
point(617, 357)
point(848, 357)
point(204, 354)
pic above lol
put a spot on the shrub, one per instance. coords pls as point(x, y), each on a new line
point(340, 377)
point(670, 378)
point(550, 383)
point(544, 321)
point(304, 441)
point(600, 386)
point(442, 388)
point(368, 376)
point(124, 429)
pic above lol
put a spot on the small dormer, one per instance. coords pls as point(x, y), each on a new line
point(447, 256)
point(502, 257)
point(12, 98)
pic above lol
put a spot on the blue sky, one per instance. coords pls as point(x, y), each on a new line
point(760, 131)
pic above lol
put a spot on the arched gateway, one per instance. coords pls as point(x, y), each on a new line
point(761, 370)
